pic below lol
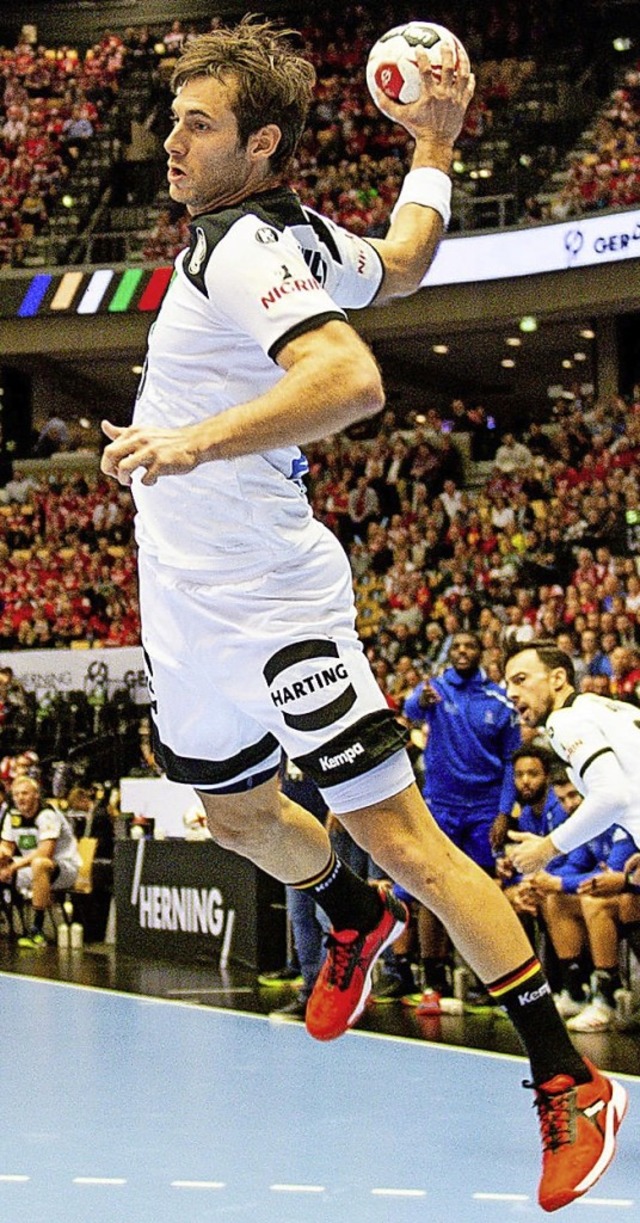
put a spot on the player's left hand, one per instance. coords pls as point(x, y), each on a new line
point(162, 452)
point(440, 110)
point(529, 852)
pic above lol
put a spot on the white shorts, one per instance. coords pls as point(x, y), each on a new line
point(63, 881)
point(240, 673)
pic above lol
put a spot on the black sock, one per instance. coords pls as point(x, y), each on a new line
point(606, 981)
point(526, 996)
point(572, 978)
point(405, 972)
point(349, 902)
point(437, 973)
point(38, 921)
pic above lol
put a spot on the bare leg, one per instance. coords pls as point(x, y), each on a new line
point(565, 923)
point(41, 872)
point(601, 920)
point(404, 839)
point(272, 831)
point(432, 937)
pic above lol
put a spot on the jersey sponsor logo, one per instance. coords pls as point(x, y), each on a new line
point(309, 684)
point(289, 285)
point(266, 235)
point(199, 253)
point(572, 748)
point(327, 763)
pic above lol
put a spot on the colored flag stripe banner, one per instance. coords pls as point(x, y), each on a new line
point(105, 290)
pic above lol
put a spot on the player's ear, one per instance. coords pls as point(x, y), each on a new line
point(263, 143)
point(559, 678)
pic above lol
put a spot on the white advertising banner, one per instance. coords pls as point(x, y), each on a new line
point(166, 802)
point(59, 671)
point(580, 242)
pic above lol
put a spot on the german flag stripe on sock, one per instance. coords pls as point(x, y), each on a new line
point(515, 979)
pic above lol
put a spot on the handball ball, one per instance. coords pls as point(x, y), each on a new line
point(392, 66)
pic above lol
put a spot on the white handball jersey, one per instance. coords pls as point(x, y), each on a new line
point(254, 277)
point(49, 824)
point(599, 741)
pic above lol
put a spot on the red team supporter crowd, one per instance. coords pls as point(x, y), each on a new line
point(68, 566)
point(549, 545)
point(350, 162)
point(51, 103)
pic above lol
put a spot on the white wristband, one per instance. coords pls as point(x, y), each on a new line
point(429, 187)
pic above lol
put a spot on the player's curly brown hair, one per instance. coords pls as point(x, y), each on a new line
point(274, 82)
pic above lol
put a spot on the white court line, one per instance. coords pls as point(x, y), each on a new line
point(297, 1188)
point(399, 1193)
point(500, 1197)
point(619, 1203)
point(198, 1185)
point(99, 1180)
point(7, 1178)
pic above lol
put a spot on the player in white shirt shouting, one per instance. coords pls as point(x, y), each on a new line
point(247, 605)
point(597, 738)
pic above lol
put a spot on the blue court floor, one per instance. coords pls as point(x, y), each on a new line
point(121, 1109)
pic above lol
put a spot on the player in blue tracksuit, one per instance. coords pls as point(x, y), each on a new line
point(473, 731)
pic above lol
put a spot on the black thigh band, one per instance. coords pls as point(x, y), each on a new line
point(358, 750)
point(225, 776)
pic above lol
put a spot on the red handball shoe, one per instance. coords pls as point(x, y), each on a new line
point(344, 981)
point(578, 1124)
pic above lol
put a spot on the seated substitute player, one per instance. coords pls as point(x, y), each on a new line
point(247, 605)
point(37, 851)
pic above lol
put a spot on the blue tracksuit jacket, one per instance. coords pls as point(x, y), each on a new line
point(473, 731)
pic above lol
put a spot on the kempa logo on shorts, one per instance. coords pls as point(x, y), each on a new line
point(532, 995)
point(327, 763)
point(311, 681)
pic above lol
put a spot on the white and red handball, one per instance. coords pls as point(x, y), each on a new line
point(392, 68)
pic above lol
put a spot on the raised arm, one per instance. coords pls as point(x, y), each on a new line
point(422, 211)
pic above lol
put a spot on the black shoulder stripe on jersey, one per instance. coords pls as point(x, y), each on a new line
point(308, 324)
point(323, 232)
point(278, 208)
point(600, 752)
point(566, 704)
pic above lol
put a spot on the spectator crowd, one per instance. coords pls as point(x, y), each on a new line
point(351, 160)
point(52, 101)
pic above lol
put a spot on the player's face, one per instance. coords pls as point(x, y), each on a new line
point(529, 687)
point(570, 798)
point(25, 797)
point(464, 653)
point(207, 164)
point(530, 779)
